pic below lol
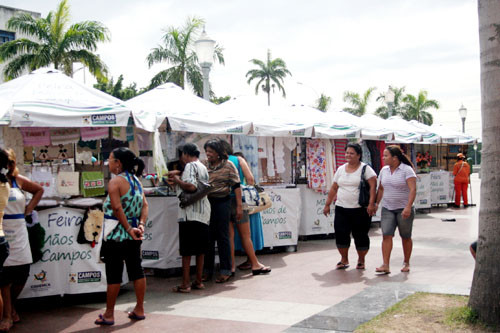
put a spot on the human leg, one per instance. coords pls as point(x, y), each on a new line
point(6, 322)
point(221, 226)
point(458, 193)
point(388, 224)
point(405, 227)
point(342, 227)
point(464, 193)
point(231, 245)
point(246, 241)
point(209, 259)
point(360, 228)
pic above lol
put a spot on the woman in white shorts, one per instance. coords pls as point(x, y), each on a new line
point(397, 188)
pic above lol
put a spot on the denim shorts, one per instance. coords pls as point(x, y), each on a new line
point(392, 219)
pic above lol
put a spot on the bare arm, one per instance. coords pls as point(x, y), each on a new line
point(331, 196)
point(144, 213)
point(412, 185)
point(27, 185)
point(246, 171)
point(116, 205)
point(239, 205)
point(372, 210)
point(380, 194)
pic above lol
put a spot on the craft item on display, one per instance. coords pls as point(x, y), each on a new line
point(116, 132)
point(316, 165)
point(62, 136)
point(28, 154)
point(129, 130)
point(159, 163)
point(91, 227)
point(262, 147)
point(144, 141)
point(94, 133)
point(36, 136)
point(92, 183)
point(330, 163)
point(270, 157)
point(68, 183)
point(60, 152)
point(340, 146)
point(248, 145)
point(45, 179)
point(279, 155)
point(84, 157)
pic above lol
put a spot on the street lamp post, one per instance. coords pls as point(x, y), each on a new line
point(463, 114)
point(389, 99)
point(205, 47)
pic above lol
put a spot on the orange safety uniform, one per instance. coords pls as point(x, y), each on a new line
point(461, 171)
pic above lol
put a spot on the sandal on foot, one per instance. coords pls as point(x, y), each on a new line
point(406, 267)
point(102, 321)
point(262, 270)
point(341, 265)
point(382, 270)
point(360, 265)
point(197, 286)
point(245, 266)
point(206, 278)
point(181, 289)
point(132, 315)
point(223, 278)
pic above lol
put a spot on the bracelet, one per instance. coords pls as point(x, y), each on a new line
point(142, 223)
point(129, 228)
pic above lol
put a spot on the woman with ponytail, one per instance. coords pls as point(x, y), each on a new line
point(125, 214)
point(398, 190)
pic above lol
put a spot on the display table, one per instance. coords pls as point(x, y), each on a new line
point(423, 198)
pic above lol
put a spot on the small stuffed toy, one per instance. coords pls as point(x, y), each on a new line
point(92, 226)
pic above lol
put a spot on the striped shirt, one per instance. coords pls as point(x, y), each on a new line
point(200, 210)
point(222, 177)
point(396, 190)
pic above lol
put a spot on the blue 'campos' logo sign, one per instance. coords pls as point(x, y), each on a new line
point(104, 119)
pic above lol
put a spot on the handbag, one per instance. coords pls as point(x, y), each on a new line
point(202, 189)
point(364, 190)
point(264, 203)
point(249, 195)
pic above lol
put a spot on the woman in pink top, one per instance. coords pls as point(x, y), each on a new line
point(398, 189)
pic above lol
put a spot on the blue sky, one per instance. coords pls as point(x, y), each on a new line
point(329, 46)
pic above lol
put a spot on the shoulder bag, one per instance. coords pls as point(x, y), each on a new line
point(364, 190)
point(202, 189)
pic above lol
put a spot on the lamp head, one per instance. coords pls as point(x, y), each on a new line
point(205, 47)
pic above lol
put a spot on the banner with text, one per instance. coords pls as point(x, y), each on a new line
point(312, 221)
point(423, 199)
point(440, 187)
point(280, 223)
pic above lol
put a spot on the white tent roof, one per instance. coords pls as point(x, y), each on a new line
point(375, 128)
point(451, 136)
point(404, 132)
point(48, 98)
point(185, 112)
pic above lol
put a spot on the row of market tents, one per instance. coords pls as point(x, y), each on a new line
point(48, 98)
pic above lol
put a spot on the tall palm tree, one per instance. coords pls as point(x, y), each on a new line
point(56, 44)
point(397, 106)
point(358, 102)
point(415, 107)
point(323, 102)
point(271, 73)
point(484, 293)
point(178, 50)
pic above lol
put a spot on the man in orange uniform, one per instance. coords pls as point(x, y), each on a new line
point(461, 171)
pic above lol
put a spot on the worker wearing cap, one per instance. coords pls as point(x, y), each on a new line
point(461, 171)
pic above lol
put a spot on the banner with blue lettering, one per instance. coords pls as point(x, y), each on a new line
point(280, 223)
point(66, 266)
point(313, 222)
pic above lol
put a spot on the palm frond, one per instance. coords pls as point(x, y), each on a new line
point(95, 65)
point(61, 20)
point(18, 65)
point(17, 46)
point(84, 35)
point(28, 25)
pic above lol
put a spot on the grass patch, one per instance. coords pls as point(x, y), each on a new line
point(424, 312)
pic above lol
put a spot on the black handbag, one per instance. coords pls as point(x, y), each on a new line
point(202, 189)
point(364, 190)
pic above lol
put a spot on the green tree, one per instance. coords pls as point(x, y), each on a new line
point(178, 50)
point(56, 44)
point(415, 107)
point(271, 73)
point(397, 106)
point(359, 103)
point(117, 90)
point(323, 102)
point(220, 100)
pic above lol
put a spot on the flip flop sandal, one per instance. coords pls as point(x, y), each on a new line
point(223, 279)
point(360, 265)
point(180, 289)
point(382, 271)
point(103, 321)
point(262, 270)
point(132, 315)
point(406, 268)
point(197, 286)
point(341, 265)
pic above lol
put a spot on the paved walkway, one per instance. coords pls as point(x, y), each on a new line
point(302, 288)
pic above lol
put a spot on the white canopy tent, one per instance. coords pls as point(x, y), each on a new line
point(404, 132)
point(451, 136)
point(48, 98)
point(184, 111)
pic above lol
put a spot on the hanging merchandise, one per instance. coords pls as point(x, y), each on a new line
point(129, 130)
point(340, 146)
point(144, 141)
point(36, 136)
point(44, 178)
point(316, 165)
point(366, 158)
point(68, 183)
point(62, 136)
point(380, 148)
point(158, 160)
point(248, 145)
point(279, 155)
point(270, 157)
point(92, 184)
point(13, 138)
point(262, 146)
point(94, 133)
point(375, 155)
point(330, 163)
point(116, 131)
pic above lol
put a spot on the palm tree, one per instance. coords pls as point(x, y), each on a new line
point(484, 295)
point(179, 52)
point(274, 70)
point(359, 103)
point(323, 102)
point(56, 44)
point(415, 107)
point(397, 106)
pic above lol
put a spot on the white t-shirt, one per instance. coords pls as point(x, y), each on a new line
point(348, 192)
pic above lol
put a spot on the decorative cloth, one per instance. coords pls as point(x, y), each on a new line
point(279, 155)
point(45, 179)
point(116, 131)
point(316, 164)
point(68, 183)
point(330, 163)
point(270, 157)
point(340, 146)
point(248, 145)
point(144, 141)
point(129, 130)
point(367, 157)
point(94, 133)
point(92, 184)
point(62, 136)
point(36, 136)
